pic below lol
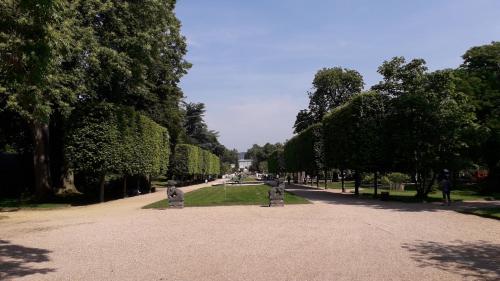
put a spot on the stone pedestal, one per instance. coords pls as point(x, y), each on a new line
point(276, 203)
point(176, 204)
point(277, 196)
point(175, 197)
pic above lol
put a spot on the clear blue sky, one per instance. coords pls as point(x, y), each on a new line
point(254, 61)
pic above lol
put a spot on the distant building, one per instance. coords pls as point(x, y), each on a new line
point(244, 164)
point(241, 155)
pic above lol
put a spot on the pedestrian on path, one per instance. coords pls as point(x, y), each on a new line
point(445, 184)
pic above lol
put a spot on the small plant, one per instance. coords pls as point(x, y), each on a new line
point(398, 177)
point(385, 180)
point(367, 178)
point(397, 180)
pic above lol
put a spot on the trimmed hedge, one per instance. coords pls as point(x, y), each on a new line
point(106, 139)
point(355, 136)
point(190, 160)
point(304, 152)
point(276, 162)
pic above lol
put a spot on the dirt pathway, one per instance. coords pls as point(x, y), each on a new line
point(335, 239)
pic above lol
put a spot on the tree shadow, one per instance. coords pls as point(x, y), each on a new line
point(328, 197)
point(15, 260)
point(479, 260)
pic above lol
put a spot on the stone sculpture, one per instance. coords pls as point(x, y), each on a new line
point(175, 197)
point(277, 196)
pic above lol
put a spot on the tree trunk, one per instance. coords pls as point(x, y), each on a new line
point(375, 184)
point(61, 175)
point(148, 183)
point(357, 181)
point(343, 187)
point(125, 186)
point(41, 160)
point(102, 181)
point(420, 185)
point(326, 179)
point(317, 180)
point(428, 188)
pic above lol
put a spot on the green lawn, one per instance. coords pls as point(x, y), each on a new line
point(229, 195)
point(9, 203)
point(493, 213)
point(53, 202)
point(456, 195)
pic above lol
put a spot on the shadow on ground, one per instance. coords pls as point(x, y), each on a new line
point(478, 260)
point(17, 261)
point(328, 197)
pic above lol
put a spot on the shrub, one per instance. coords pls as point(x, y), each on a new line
point(398, 177)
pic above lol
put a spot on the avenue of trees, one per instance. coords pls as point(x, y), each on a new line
point(413, 121)
point(90, 89)
point(260, 156)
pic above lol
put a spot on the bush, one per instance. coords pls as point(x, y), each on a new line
point(385, 180)
point(398, 177)
point(367, 178)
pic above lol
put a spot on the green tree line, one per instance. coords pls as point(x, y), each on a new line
point(413, 121)
point(191, 161)
point(106, 70)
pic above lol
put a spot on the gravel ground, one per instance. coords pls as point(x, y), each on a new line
point(336, 238)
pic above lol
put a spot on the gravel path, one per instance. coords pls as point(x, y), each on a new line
point(336, 238)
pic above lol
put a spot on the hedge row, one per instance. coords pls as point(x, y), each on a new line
point(304, 152)
point(355, 135)
point(106, 139)
point(190, 160)
point(276, 162)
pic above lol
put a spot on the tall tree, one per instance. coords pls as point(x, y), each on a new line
point(355, 135)
point(480, 75)
point(39, 69)
point(430, 122)
point(304, 119)
point(332, 87)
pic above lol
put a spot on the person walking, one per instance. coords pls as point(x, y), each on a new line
point(446, 187)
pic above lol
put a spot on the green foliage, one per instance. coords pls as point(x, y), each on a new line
point(332, 88)
point(56, 56)
point(480, 80)
point(264, 167)
point(304, 152)
point(431, 126)
point(107, 139)
point(190, 160)
point(276, 162)
point(398, 177)
point(354, 134)
point(259, 154)
point(39, 65)
point(367, 178)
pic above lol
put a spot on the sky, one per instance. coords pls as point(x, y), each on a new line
point(254, 61)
